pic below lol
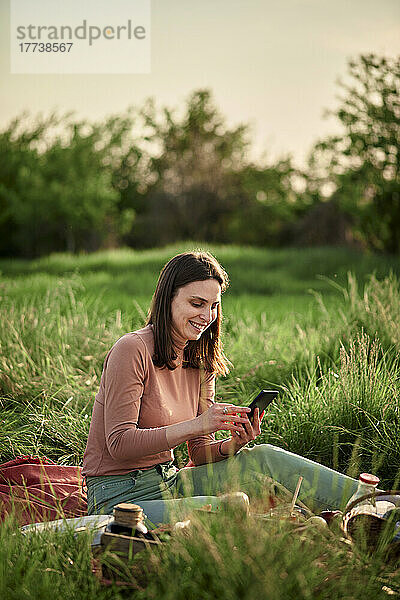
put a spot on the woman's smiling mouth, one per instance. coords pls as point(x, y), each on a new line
point(196, 326)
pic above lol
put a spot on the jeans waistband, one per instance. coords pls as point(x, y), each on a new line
point(161, 468)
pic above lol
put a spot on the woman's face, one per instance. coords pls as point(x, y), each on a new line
point(194, 307)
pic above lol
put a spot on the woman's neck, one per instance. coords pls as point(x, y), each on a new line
point(179, 344)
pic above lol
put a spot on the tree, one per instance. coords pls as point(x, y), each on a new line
point(363, 163)
point(198, 184)
point(56, 189)
point(271, 202)
point(188, 185)
point(19, 154)
point(146, 178)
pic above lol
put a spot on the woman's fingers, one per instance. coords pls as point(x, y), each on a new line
point(236, 424)
point(256, 422)
point(252, 429)
point(224, 416)
point(232, 409)
point(249, 430)
point(256, 418)
point(243, 430)
point(235, 415)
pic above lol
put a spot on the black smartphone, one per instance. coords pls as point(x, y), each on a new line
point(264, 398)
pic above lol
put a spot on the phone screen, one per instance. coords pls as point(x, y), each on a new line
point(264, 399)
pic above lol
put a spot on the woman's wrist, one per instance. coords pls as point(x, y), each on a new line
point(230, 446)
point(224, 447)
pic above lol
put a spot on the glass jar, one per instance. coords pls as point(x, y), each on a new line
point(366, 485)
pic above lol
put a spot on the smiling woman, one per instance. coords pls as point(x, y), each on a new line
point(157, 391)
point(186, 312)
point(191, 313)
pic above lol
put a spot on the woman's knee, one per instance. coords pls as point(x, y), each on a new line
point(256, 454)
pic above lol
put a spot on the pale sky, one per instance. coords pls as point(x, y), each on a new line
point(270, 63)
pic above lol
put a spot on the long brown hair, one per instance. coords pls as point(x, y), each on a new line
point(207, 351)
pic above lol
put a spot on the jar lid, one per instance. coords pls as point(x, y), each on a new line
point(128, 507)
point(369, 479)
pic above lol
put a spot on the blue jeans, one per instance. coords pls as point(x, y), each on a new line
point(165, 492)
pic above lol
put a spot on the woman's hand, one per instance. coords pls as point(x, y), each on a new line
point(223, 416)
point(250, 430)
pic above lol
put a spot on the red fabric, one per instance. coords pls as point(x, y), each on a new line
point(38, 489)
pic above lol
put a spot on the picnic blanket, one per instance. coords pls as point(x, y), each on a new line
point(38, 489)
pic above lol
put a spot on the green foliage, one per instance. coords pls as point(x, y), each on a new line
point(190, 191)
point(61, 314)
point(56, 192)
point(154, 175)
point(226, 557)
point(200, 184)
point(52, 564)
point(349, 412)
point(334, 356)
point(145, 177)
point(230, 558)
point(269, 204)
point(363, 163)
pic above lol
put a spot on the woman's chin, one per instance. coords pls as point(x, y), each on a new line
point(193, 336)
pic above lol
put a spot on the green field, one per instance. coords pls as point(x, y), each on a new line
point(322, 325)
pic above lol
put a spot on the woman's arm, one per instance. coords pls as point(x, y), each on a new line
point(205, 449)
point(125, 372)
point(132, 443)
point(212, 420)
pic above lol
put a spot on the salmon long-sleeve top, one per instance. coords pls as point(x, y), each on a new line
point(135, 403)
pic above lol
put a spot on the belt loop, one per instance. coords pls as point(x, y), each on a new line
point(134, 474)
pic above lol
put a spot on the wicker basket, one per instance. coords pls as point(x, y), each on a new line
point(371, 531)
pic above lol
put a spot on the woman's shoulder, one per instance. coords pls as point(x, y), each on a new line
point(141, 341)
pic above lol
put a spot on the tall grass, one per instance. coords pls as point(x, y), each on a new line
point(49, 565)
point(51, 360)
point(229, 557)
point(355, 404)
point(53, 346)
point(334, 355)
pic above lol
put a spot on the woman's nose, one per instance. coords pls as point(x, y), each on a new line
point(207, 314)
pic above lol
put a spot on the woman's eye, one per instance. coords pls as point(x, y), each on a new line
point(196, 305)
